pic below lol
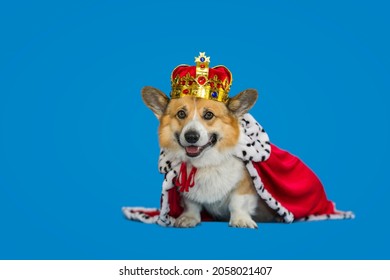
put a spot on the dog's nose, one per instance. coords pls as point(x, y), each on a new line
point(192, 136)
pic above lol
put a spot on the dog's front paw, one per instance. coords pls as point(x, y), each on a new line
point(186, 221)
point(242, 222)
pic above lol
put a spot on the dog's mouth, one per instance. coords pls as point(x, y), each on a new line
point(194, 151)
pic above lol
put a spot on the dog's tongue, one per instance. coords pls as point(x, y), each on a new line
point(192, 150)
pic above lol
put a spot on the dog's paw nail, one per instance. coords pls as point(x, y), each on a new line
point(243, 223)
point(186, 222)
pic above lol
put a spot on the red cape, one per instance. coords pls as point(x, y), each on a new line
point(288, 180)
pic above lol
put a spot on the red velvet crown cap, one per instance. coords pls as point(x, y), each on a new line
point(220, 71)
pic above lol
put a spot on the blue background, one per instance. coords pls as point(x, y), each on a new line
point(77, 143)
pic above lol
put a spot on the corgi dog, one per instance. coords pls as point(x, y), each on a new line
point(203, 133)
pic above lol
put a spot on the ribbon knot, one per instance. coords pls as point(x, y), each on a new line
point(183, 181)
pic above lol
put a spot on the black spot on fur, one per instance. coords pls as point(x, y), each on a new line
point(263, 158)
point(244, 153)
point(246, 162)
point(250, 158)
point(246, 122)
point(267, 142)
point(262, 130)
point(267, 150)
point(162, 152)
point(248, 145)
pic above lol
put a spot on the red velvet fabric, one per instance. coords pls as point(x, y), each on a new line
point(293, 184)
point(221, 71)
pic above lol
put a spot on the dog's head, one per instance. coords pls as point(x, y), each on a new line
point(201, 131)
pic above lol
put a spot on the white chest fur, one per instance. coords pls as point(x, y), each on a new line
point(213, 185)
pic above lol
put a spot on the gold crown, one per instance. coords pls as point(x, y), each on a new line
point(201, 81)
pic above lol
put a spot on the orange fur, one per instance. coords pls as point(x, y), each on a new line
point(245, 186)
point(224, 123)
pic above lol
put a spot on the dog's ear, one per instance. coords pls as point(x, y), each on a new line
point(155, 99)
point(242, 102)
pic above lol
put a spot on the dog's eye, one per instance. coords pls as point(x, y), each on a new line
point(208, 115)
point(181, 114)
